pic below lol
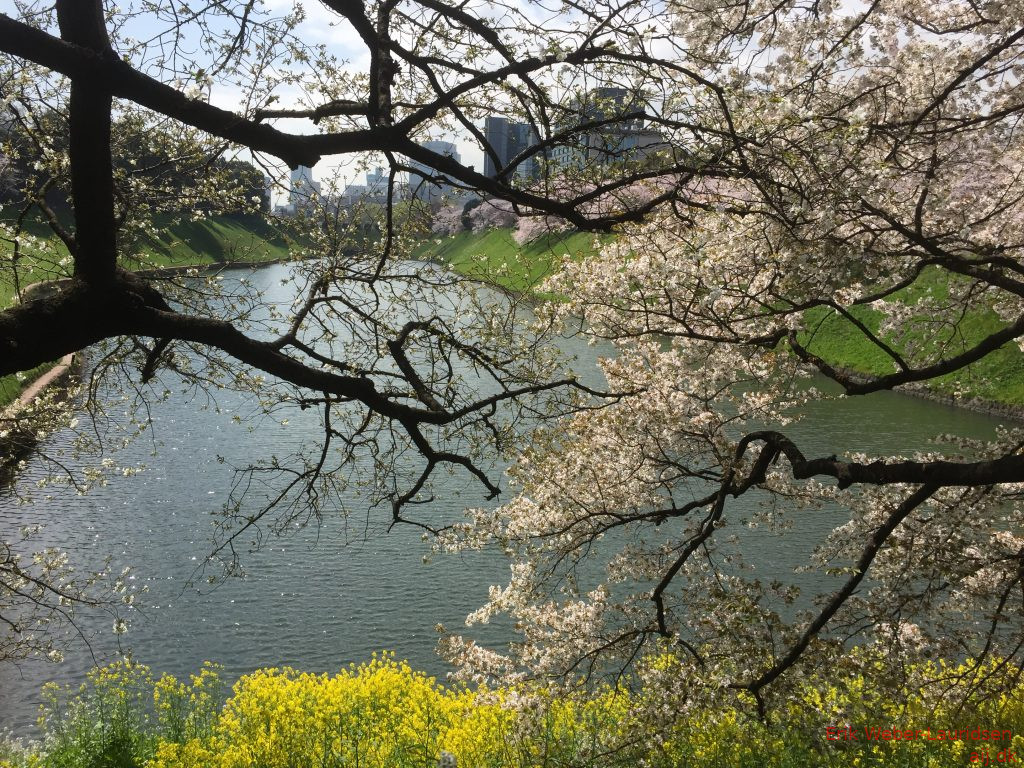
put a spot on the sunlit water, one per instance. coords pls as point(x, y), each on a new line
point(332, 594)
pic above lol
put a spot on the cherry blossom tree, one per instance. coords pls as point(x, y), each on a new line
point(815, 160)
point(492, 215)
point(399, 361)
point(868, 172)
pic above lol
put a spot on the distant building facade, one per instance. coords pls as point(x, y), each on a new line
point(375, 190)
point(508, 139)
point(618, 141)
point(421, 184)
point(268, 189)
point(303, 191)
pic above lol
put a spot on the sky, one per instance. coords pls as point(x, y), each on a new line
point(320, 26)
point(324, 26)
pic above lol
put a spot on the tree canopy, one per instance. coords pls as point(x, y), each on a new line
point(815, 162)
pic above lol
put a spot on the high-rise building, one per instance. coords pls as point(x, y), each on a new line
point(496, 134)
point(509, 139)
point(422, 185)
point(607, 142)
point(377, 184)
point(375, 190)
point(303, 191)
point(268, 191)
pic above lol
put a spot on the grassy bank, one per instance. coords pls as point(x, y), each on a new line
point(998, 378)
point(12, 386)
point(496, 257)
point(215, 240)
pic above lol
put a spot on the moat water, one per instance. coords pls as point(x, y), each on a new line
point(329, 594)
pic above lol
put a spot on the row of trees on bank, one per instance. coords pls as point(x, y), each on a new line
point(153, 166)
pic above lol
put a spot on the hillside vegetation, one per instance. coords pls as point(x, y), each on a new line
point(999, 377)
point(209, 241)
point(383, 714)
point(495, 256)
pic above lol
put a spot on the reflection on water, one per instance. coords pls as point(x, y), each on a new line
point(326, 596)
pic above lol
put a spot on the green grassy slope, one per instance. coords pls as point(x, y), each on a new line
point(208, 241)
point(999, 377)
point(495, 256)
point(14, 385)
point(37, 260)
point(215, 240)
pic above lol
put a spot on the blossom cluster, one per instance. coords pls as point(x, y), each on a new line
point(383, 713)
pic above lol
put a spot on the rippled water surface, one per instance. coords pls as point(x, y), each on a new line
point(329, 595)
